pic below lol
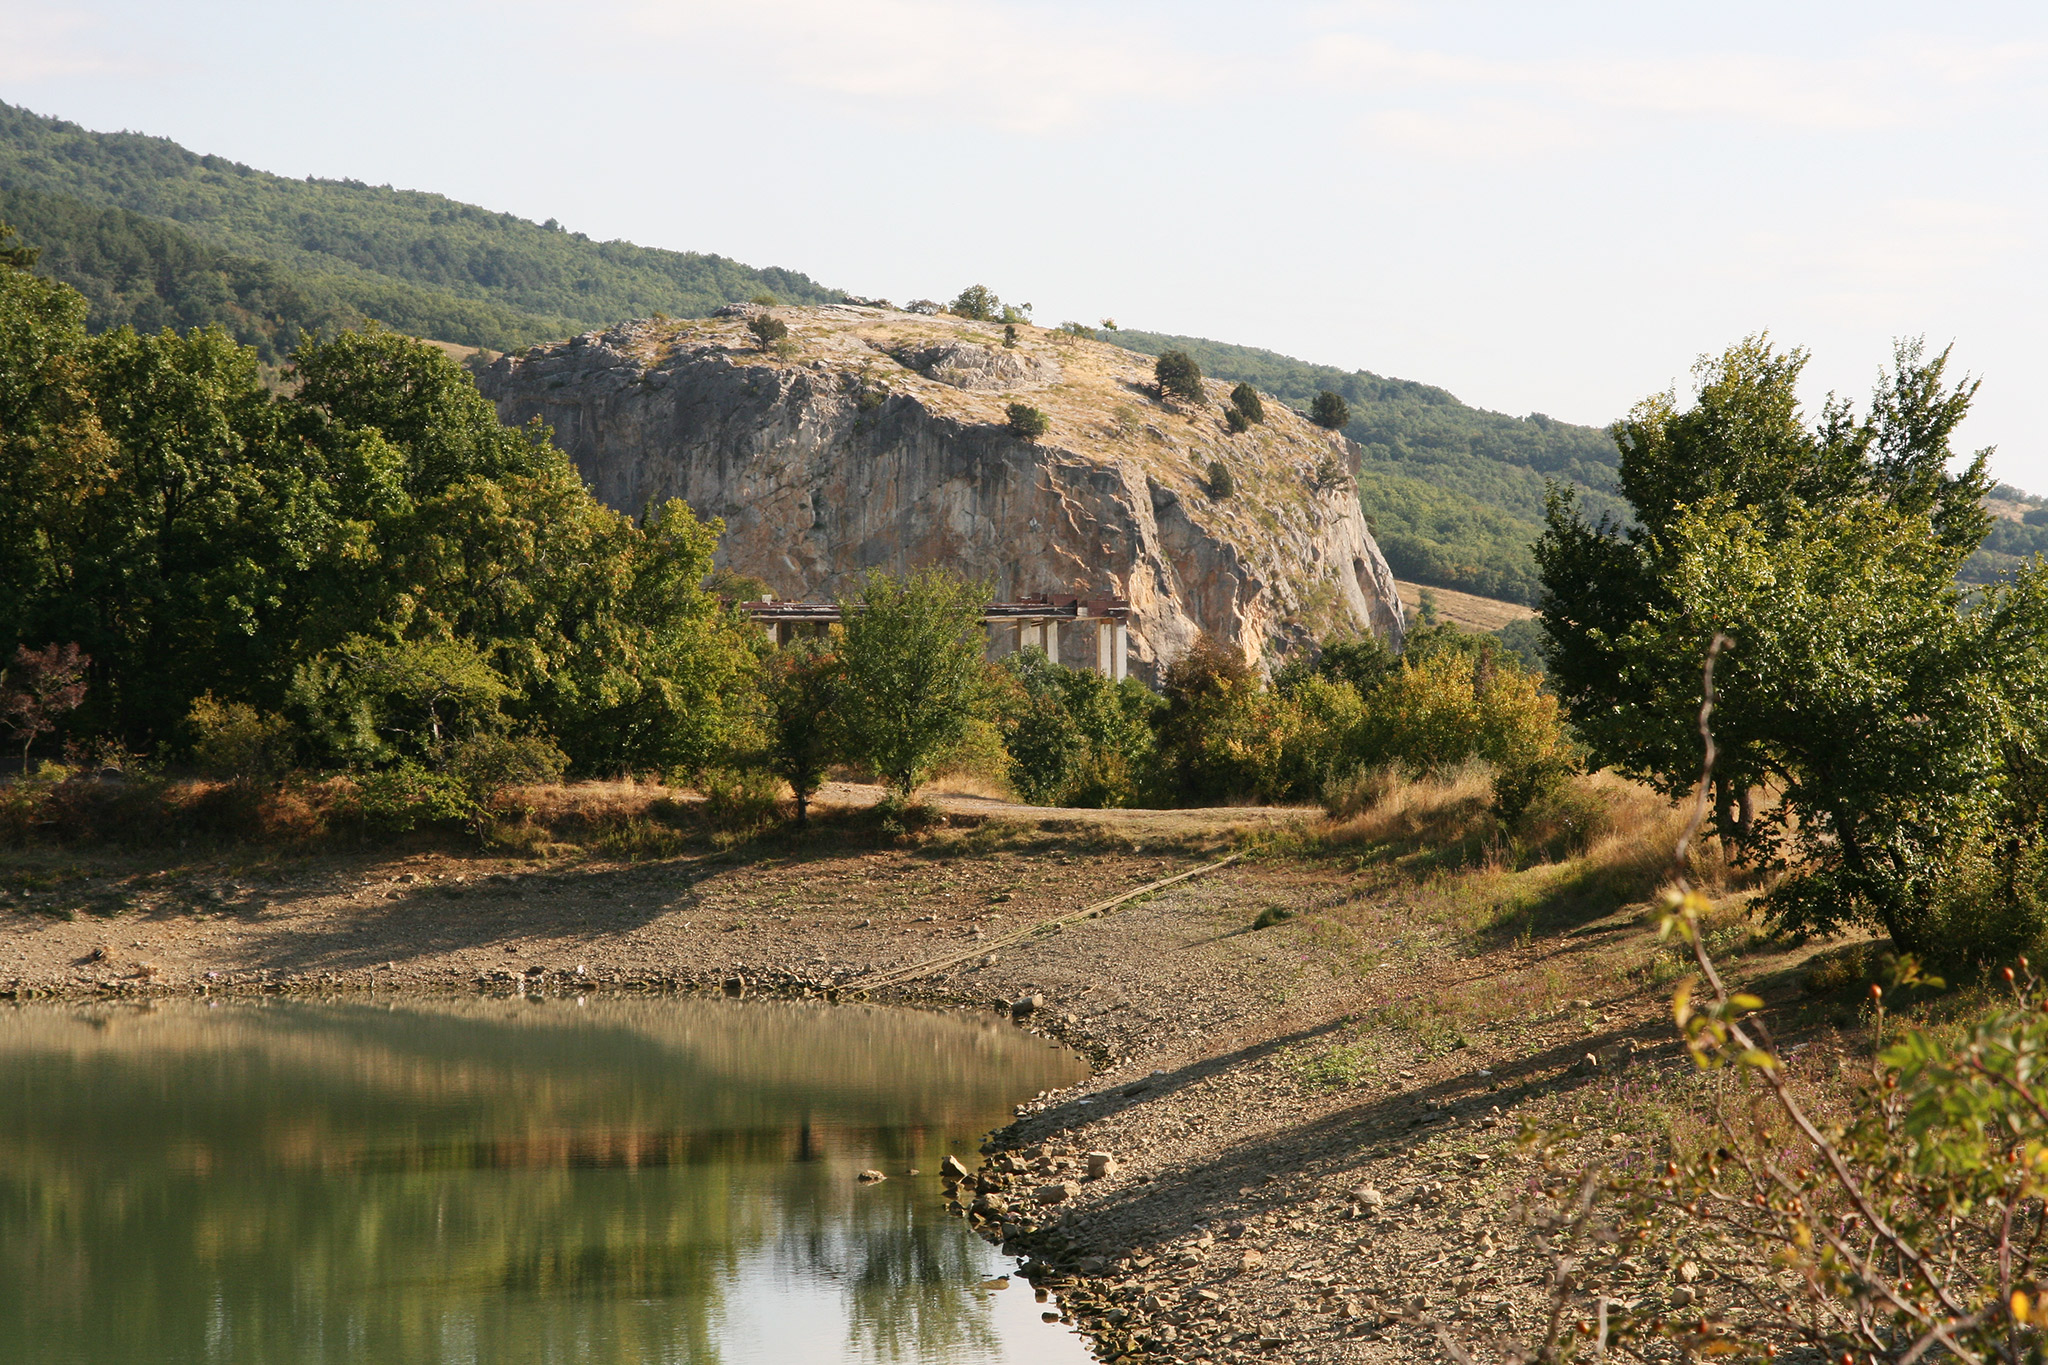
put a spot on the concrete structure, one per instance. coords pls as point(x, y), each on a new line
point(1032, 623)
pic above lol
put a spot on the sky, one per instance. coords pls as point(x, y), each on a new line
point(1551, 207)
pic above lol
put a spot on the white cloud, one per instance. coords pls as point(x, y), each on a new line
point(1020, 68)
point(41, 45)
point(1453, 102)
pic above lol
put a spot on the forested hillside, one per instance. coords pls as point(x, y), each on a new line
point(156, 236)
point(419, 262)
point(1454, 493)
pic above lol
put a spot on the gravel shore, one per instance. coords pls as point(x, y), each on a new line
point(1266, 1164)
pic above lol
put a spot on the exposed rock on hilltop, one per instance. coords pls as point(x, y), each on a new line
point(875, 439)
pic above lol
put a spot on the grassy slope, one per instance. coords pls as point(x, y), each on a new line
point(421, 262)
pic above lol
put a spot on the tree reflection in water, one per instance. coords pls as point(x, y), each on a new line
point(536, 1183)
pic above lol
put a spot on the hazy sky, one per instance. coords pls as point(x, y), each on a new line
point(1552, 207)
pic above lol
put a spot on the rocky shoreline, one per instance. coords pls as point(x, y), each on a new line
point(1201, 1197)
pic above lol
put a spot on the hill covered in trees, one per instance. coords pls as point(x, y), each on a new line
point(418, 262)
point(154, 236)
point(1454, 493)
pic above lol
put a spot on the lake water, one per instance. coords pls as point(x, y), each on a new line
point(505, 1182)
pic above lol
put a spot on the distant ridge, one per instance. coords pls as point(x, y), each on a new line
point(416, 261)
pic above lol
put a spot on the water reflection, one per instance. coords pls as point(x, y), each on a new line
point(502, 1181)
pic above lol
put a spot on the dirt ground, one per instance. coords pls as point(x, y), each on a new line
point(1306, 1132)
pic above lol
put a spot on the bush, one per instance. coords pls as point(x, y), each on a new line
point(408, 797)
point(1449, 708)
point(235, 742)
point(1221, 483)
point(1075, 738)
point(487, 764)
point(740, 801)
point(1028, 422)
point(1245, 399)
point(765, 300)
point(1010, 335)
point(767, 330)
point(1329, 410)
point(1236, 421)
point(1179, 376)
point(924, 307)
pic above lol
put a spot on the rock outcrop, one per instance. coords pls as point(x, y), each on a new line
point(872, 439)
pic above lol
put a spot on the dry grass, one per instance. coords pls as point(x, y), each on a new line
point(1465, 609)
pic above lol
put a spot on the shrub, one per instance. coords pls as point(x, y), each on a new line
point(1245, 399)
point(1329, 410)
point(1028, 422)
point(1010, 335)
point(1221, 734)
point(235, 742)
point(1913, 1219)
point(410, 796)
point(1179, 376)
point(486, 764)
point(740, 801)
point(1078, 329)
point(1221, 483)
point(1236, 421)
point(765, 300)
point(1448, 708)
point(924, 307)
point(1075, 738)
point(767, 330)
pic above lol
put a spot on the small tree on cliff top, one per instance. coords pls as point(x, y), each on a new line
point(1329, 410)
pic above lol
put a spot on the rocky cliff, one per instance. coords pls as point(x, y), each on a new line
point(872, 439)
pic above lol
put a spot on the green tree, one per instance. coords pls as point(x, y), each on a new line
point(1859, 684)
point(767, 330)
point(1245, 399)
point(804, 690)
point(16, 254)
point(912, 651)
point(1074, 737)
point(977, 303)
point(1179, 376)
point(1221, 482)
point(1329, 410)
point(1028, 422)
point(1235, 419)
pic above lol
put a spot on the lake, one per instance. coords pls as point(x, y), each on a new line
point(528, 1181)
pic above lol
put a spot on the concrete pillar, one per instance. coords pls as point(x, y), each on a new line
point(1123, 650)
point(1105, 648)
point(774, 632)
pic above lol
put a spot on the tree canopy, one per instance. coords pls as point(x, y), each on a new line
point(198, 535)
point(1887, 708)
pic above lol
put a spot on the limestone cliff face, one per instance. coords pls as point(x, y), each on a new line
point(877, 440)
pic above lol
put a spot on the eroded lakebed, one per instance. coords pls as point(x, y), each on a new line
point(523, 1180)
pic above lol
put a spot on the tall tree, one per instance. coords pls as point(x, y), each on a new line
point(913, 653)
point(803, 688)
point(1858, 685)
